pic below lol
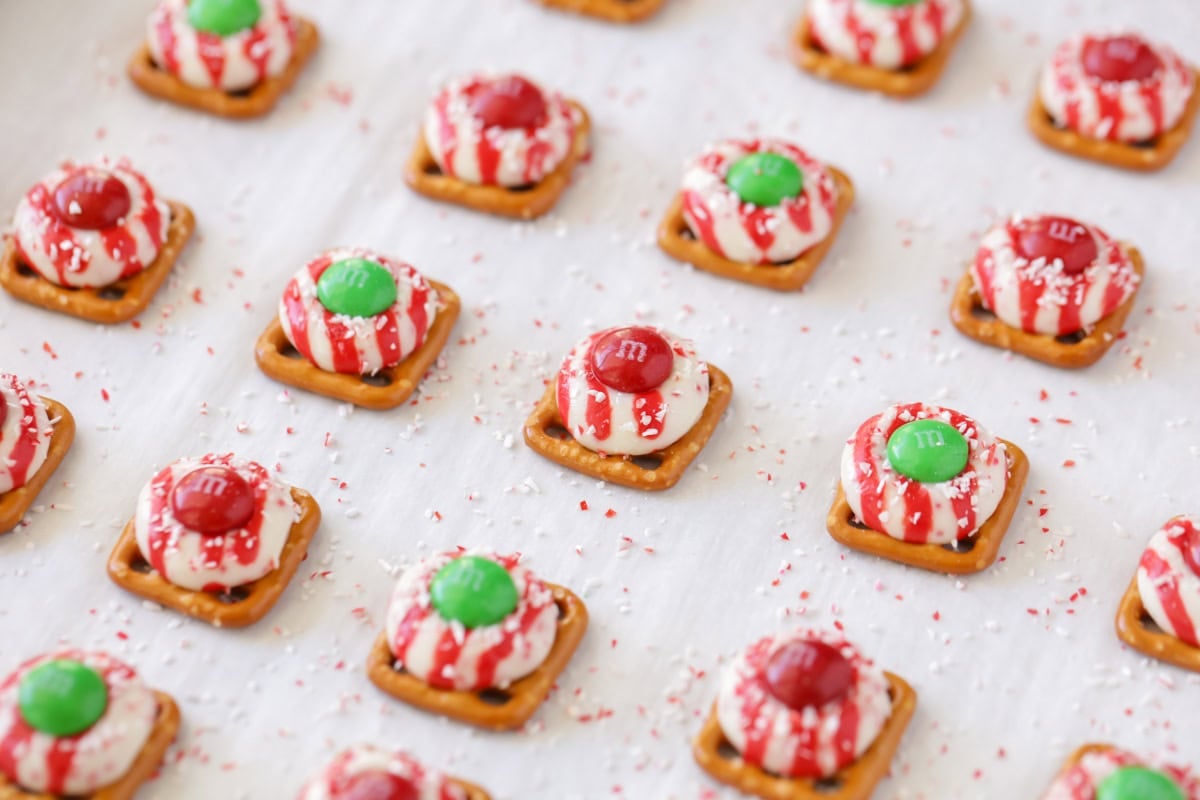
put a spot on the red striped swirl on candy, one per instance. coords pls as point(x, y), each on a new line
point(229, 63)
point(615, 422)
point(1168, 579)
point(363, 772)
point(1117, 110)
point(880, 35)
point(467, 149)
point(812, 742)
point(200, 561)
point(68, 255)
point(1081, 781)
point(446, 654)
point(905, 509)
point(1040, 295)
point(80, 764)
point(747, 233)
point(25, 433)
point(357, 345)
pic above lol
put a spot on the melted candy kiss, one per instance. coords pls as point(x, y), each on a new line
point(510, 102)
point(633, 360)
point(1057, 238)
point(91, 200)
point(808, 674)
point(212, 500)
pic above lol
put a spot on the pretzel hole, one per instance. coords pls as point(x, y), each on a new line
point(140, 565)
point(828, 785)
point(649, 462)
point(494, 697)
point(561, 607)
point(528, 187)
point(1148, 623)
point(380, 379)
point(978, 311)
point(727, 751)
point(855, 522)
point(556, 431)
point(240, 94)
point(960, 545)
point(26, 271)
point(232, 596)
point(111, 292)
point(430, 167)
point(1071, 338)
point(288, 351)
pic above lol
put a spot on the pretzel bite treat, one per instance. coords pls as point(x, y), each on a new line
point(898, 47)
point(94, 241)
point(804, 715)
point(233, 58)
point(1048, 287)
point(1160, 613)
point(76, 724)
point(215, 537)
point(633, 406)
point(35, 435)
point(929, 487)
point(1116, 98)
point(358, 326)
point(364, 772)
point(476, 637)
point(1103, 772)
point(610, 10)
point(761, 211)
point(500, 144)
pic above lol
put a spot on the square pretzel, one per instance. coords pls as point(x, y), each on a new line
point(385, 389)
point(424, 176)
point(973, 320)
point(494, 709)
point(1136, 629)
point(546, 433)
point(676, 239)
point(14, 503)
point(905, 82)
point(610, 10)
point(108, 305)
point(1144, 157)
point(717, 756)
point(253, 102)
point(235, 608)
point(1075, 758)
point(976, 555)
point(472, 791)
point(147, 762)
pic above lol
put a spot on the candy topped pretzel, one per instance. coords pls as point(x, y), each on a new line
point(35, 435)
point(1104, 772)
point(364, 772)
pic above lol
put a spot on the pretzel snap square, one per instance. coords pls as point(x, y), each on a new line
point(254, 102)
point(718, 757)
point(611, 10)
point(1136, 629)
point(975, 321)
point(147, 762)
point(388, 388)
point(16, 502)
point(1146, 156)
point(676, 239)
point(546, 433)
point(906, 82)
point(493, 709)
point(965, 557)
point(424, 176)
point(235, 608)
point(117, 302)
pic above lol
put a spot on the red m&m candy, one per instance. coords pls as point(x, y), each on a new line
point(1120, 58)
point(632, 360)
point(91, 199)
point(377, 785)
point(805, 674)
point(510, 102)
point(212, 500)
point(1057, 239)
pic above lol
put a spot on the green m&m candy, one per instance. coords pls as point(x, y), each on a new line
point(1139, 783)
point(223, 17)
point(765, 179)
point(356, 287)
point(62, 698)
point(473, 590)
point(928, 450)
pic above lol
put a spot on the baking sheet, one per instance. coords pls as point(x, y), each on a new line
point(1014, 667)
